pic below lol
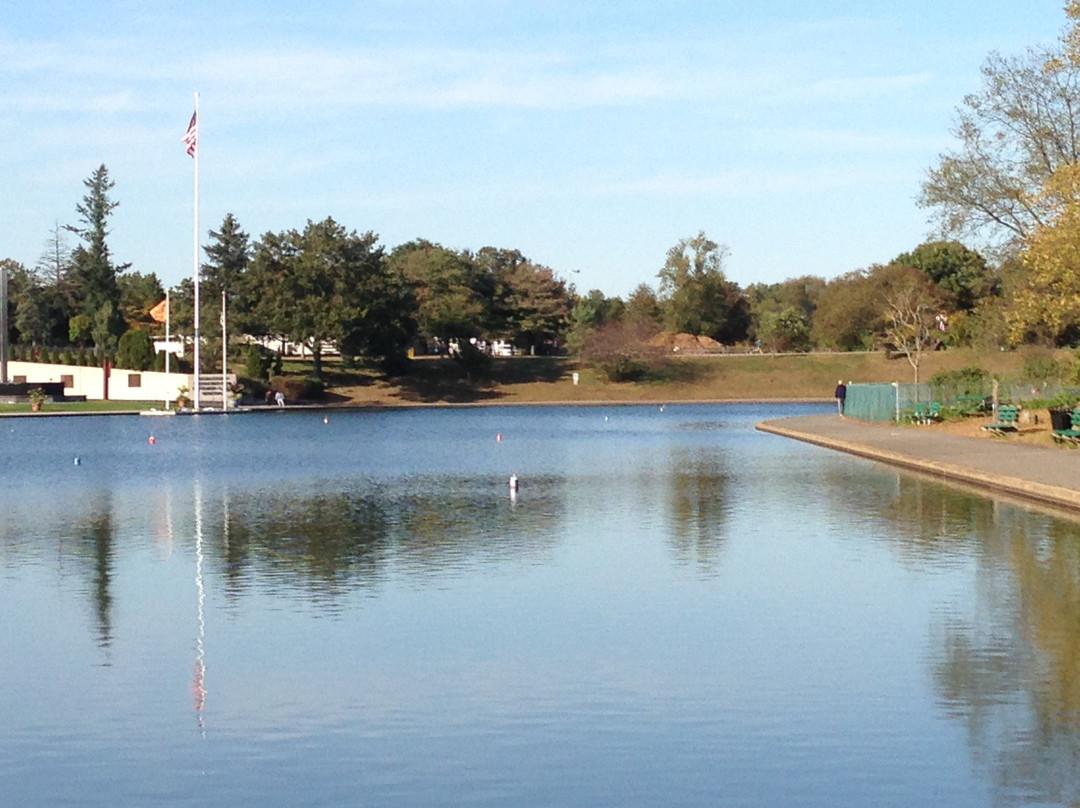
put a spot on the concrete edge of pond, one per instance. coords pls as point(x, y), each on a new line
point(1047, 476)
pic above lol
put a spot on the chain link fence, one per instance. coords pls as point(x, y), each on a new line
point(895, 401)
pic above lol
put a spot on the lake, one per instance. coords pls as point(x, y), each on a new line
point(282, 609)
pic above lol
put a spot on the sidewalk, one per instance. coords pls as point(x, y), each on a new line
point(1044, 474)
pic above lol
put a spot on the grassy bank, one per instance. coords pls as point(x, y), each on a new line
point(705, 378)
point(523, 380)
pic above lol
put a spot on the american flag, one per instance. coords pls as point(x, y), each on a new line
point(191, 136)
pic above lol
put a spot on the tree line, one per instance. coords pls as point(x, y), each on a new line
point(1002, 270)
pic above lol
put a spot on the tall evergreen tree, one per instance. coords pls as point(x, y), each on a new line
point(92, 270)
point(229, 253)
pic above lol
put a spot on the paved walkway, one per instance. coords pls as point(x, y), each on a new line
point(1041, 473)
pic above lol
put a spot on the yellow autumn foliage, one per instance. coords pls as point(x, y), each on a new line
point(1049, 298)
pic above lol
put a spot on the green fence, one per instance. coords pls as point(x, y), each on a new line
point(882, 402)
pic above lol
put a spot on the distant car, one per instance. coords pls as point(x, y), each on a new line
point(500, 348)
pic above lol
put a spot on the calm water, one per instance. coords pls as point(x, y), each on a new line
point(675, 610)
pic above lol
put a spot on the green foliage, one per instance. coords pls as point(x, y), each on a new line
point(848, 315)
point(93, 273)
point(135, 350)
point(958, 271)
point(695, 295)
point(1042, 366)
point(624, 369)
point(1014, 133)
point(257, 362)
point(138, 294)
point(643, 306)
point(782, 329)
point(327, 284)
point(967, 381)
point(451, 291)
point(589, 313)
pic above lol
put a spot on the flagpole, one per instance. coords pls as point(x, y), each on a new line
point(224, 356)
point(195, 269)
point(168, 350)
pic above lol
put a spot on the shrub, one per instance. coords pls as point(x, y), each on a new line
point(298, 389)
point(135, 350)
point(257, 361)
point(961, 382)
point(1043, 367)
point(623, 369)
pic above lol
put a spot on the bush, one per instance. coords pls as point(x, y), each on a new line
point(623, 369)
point(135, 350)
point(967, 381)
point(257, 361)
point(1043, 367)
point(298, 389)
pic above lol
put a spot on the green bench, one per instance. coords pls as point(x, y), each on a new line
point(926, 413)
point(1070, 436)
point(1006, 420)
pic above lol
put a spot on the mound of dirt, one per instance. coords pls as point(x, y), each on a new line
point(685, 343)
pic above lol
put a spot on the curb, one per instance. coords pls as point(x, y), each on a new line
point(1015, 486)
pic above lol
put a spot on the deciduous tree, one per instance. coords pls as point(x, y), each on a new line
point(328, 284)
point(1047, 300)
point(451, 293)
point(960, 273)
point(1014, 133)
point(913, 306)
point(695, 295)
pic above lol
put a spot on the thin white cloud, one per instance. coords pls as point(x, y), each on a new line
point(862, 88)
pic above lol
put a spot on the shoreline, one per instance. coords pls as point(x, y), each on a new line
point(358, 404)
point(1043, 475)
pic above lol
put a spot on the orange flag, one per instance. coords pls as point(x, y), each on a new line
point(160, 312)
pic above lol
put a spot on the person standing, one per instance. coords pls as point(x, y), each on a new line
point(841, 396)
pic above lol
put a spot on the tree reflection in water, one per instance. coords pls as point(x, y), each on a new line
point(698, 506)
point(1009, 663)
point(330, 543)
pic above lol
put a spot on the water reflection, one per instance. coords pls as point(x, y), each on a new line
point(698, 506)
point(1007, 664)
point(672, 606)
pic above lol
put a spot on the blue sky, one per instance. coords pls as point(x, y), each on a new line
point(592, 136)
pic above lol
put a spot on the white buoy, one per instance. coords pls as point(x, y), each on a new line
point(78, 461)
point(514, 482)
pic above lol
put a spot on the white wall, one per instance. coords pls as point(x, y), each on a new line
point(124, 385)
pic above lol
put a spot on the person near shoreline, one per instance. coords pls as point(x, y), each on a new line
point(841, 396)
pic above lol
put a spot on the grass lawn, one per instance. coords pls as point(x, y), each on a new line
point(686, 378)
point(540, 380)
point(81, 406)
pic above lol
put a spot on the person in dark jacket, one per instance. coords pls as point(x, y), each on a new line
point(841, 395)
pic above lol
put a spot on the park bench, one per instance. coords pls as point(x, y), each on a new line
point(1070, 436)
point(1006, 420)
point(926, 413)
